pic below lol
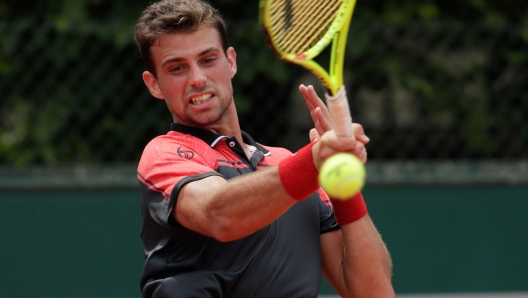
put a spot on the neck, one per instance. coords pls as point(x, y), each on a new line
point(227, 126)
point(230, 127)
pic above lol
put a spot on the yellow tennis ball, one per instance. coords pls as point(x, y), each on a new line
point(342, 175)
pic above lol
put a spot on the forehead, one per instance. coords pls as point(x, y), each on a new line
point(186, 44)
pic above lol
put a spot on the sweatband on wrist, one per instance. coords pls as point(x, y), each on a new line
point(347, 211)
point(298, 174)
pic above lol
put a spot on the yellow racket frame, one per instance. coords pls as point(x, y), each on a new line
point(336, 33)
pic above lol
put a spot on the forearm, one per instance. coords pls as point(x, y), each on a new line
point(366, 265)
point(247, 204)
point(355, 259)
point(229, 210)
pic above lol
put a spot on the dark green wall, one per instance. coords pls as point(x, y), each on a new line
point(454, 239)
point(86, 243)
point(70, 244)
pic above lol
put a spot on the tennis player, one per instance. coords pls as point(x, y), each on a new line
point(225, 216)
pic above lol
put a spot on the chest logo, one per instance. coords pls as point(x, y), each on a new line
point(187, 154)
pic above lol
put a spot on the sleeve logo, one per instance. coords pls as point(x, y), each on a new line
point(187, 154)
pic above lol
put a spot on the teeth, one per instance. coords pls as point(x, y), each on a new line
point(200, 99)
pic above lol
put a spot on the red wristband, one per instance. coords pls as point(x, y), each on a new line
point(347, 211)
point(298, 174)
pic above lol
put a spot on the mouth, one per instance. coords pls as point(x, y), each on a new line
point(200, 99)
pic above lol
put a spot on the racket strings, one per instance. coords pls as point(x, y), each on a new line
point(304, 36)
point(297, 25)
point(300, 23)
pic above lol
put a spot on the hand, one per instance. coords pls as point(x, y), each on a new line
point(321, 118)
point(330, 144)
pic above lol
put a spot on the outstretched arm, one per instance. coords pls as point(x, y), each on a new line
point(232, 209)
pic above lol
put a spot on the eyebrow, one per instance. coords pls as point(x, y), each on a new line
point(180, 59)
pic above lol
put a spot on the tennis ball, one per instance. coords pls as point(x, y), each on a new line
point(342, 175)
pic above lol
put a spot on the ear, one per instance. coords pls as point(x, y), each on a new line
point(152, 85)
point(231, 59)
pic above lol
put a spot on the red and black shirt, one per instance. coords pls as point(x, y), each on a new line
point(282, 259)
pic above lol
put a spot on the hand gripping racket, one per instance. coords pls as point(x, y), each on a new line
point(299, 30)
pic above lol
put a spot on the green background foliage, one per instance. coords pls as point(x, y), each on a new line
point(418, 73)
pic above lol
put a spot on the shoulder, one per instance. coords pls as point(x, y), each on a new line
point(174, 143)
point(174, 146)
point(171, 139)
point(168, 158)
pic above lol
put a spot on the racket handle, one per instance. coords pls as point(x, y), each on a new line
point(340, 113)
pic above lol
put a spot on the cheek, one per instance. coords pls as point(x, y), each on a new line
point(172, 87)
point(225, 76)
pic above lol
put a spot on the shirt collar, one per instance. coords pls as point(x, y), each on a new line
point(212, 138)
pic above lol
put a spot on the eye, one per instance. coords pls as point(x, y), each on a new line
point(176, 68)
point(208, 60)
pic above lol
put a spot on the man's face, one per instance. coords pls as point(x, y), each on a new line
point(193, 76)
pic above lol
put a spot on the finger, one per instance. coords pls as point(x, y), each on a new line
point(318, 102)
point(319, 129)
point(363, 157)
point(314, 135)
point(308, 99)
point(310, 106)
point(358, 129)
point(318, 110)
point(361, 152)
point(323, 121)
point(313, 114)
point(304, 91)
point(312, 100)
point(363, 139)
point(360, 133)
point(332, 143)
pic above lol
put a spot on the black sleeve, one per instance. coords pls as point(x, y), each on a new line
point(326, 214)
point(176, 191)
point(159, 207)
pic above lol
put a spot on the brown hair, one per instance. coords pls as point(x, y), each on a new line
point(175, 16)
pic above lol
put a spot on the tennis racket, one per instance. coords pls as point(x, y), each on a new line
point(299, 30)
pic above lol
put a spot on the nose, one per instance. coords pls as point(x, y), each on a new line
point(197, 77)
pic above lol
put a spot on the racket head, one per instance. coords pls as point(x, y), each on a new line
point(299, 30)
